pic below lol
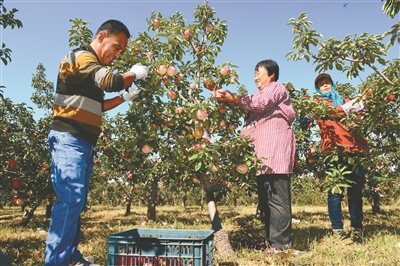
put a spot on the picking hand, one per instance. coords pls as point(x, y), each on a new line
point(132, 94)
point(354, 105)
point(140, 71)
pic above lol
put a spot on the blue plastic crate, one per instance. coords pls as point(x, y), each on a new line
point(164, 247)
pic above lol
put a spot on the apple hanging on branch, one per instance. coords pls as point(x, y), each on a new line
point(146, 148)
point(242, 169)
point(201, 114)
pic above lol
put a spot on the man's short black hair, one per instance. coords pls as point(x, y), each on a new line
point(114, 27)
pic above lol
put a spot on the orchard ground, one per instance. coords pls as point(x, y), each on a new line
point(311, 228)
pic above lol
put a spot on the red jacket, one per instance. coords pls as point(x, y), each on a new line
point(333, 133)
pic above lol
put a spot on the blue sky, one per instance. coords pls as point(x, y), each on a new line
point(256, 30)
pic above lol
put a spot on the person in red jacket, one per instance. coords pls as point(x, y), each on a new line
point(335, 135)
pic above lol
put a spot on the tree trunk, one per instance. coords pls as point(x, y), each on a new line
point(49, 205)
point(202, 199)
point(221, 237)
point(41, 195)
point(129, 202)
point(184, 198)
point(151, 209)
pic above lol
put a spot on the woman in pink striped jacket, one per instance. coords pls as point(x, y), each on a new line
point(268, 126)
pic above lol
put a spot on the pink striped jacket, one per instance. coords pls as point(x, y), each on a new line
point(268, 125)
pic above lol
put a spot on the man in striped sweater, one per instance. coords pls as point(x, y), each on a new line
point(79, 102)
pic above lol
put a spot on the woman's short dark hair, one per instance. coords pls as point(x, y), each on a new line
point(271, 66)
point(114, 27)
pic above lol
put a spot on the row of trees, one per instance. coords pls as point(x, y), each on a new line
point(178, 138)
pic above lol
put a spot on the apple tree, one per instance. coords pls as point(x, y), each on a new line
point(380, 122)
point(185, 127)
point(7, 19)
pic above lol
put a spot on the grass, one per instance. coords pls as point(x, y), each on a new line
point(311, 227)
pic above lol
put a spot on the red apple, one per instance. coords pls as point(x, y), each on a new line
point(313, 150)
point(146, 148)
point(124, 154)
point(171, 71)
point(221, 109)
point(179, 110)
point(180, 76)
point(242, 169)
point(209, 28)
point(186, 34)
point(17, 183)
point(12, 163)
point(226, 183)
point(197, 146)
point(156, 24)
point(222, 123)
point(165, 79)
point(161, 69)
point(97, 162)
point(391, 97)
point(224, 71)
point(201, 114)
point(198, 133)
point(232, 126)
point(130, 176)
point(106, 147)
point(171, 95)
point(45, 165)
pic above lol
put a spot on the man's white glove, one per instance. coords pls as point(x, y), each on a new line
point(354, 105)
point(131, 94)
point(140, 71)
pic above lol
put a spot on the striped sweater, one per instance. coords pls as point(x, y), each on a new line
point(78, 102)
point(269, 123)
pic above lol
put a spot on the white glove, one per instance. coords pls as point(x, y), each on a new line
point(353, 106)
point(131, 94)
point(140, 71)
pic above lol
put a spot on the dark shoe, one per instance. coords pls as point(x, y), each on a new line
point(357, 235)
point(342, 236)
